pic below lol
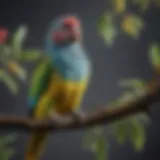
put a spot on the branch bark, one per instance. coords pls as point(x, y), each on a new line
point(107, 115)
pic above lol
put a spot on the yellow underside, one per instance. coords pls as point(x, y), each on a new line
point(63, 96)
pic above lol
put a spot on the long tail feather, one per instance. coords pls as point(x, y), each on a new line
point(35, 145)
point(37, 139)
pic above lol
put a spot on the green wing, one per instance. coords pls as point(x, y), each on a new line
point(39, 82)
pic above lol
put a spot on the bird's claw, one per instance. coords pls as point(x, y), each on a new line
point(78, 116)
point(60, 118)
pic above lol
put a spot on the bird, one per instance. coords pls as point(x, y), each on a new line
point(59, 82)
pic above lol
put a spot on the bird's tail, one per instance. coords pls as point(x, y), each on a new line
point(37, 139)
point(35, 145)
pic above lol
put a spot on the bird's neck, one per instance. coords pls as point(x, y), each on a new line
point(67, 45)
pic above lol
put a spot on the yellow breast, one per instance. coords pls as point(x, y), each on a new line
point(66, 95)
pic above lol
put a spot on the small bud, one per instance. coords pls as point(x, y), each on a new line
point(3, 35)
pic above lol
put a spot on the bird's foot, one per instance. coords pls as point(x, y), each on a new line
point(78, 115)
point(60, 118)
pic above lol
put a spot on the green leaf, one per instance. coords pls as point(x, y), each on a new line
point(138, 86)
point(131, 128)
point(5, 52)
point(119, 5)
point(88, 140)
point(154, 55)
point(6, 140)
point(15, 68)
point(101, 148)
point(143, 118)
point(132, 25)
point(126, 97)
point(18, 38)
point(7, 153)
point(113, 103)
point(94, 141)
point(10, 152)
point(137, 134)
point(120, 130)
point(8, 81)
point(31, 55)
point(107, 28)
point(90, 137)
point(132, 83)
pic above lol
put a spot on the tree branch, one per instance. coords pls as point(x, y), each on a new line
point(107, 115)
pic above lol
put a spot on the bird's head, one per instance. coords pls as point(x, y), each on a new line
point(66, 30)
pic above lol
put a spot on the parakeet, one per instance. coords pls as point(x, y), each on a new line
point(60, 81)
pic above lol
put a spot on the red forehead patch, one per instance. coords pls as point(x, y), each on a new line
point(71, 21)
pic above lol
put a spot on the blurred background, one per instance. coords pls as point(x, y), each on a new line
point(126, 58)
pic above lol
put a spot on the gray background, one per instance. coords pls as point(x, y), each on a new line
point(126, 58)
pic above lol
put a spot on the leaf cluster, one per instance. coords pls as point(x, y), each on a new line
point(6, 150)
point(13, 57)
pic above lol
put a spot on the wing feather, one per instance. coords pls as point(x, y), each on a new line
point(39, 82)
